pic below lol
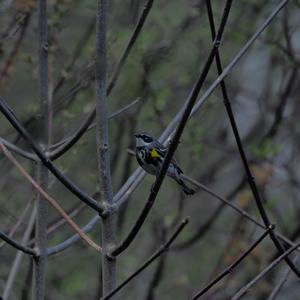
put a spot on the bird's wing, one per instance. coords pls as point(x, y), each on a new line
point(160, 152)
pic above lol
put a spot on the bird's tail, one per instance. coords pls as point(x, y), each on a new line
point(186, 189)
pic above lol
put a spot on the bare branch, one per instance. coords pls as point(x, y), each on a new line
point(73, 239)
point(103, 150)
point(282, 281)
point(44, 136)
point(18, 223)
point(54, 153)
point(81, 44)
point(165, 247)
point(14, 271)
point(245, 289)
point(8, 66)
point(137, 30)
point(237, 209)
point(232, 266)
point(18, 150)
point(50, 199)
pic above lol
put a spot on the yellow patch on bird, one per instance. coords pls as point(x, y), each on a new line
point(154, 153)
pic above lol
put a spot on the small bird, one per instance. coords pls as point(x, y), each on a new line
point(150, 154)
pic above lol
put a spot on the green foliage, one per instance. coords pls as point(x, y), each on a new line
point(267, 149)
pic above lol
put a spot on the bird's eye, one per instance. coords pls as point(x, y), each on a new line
point(147, 139)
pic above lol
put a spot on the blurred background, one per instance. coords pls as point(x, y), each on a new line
point(160, 71)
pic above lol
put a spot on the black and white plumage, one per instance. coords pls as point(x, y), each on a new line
point(150, 154)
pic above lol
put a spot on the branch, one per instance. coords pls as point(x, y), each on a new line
point(284, 95)
point(51, 200)
point(17, 245)
point(44, 136)
point(119, 111)
point(73, 212)
point(16, 23)
point(232, 266)
point(55, 153)
point(103, 151)
point(14, 270)
point(18, 150)
point(282, 281)
point(244, 290)
point(173, 145)
point(84, 126)
point(165, 247)
point(237, 209)
point(8, 66)
point(73, 239)
point(81, 44)
point(13, 230)
point(250, 177)
point(8, 113)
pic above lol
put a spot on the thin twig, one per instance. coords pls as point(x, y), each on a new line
point(284, 96)
point(236, 208)
point(73, 239)
point(232, 266)
point(54, 154)
point(282, 281)
point(8, 66)
point(165, 247)
point(136, 32)
point(119, 111)
point(50, 199)
point(18, 223)
point(245, 289)
point(14, 270)
point(174, 143)
point(18, 150)
point(61, 221)
point(81, 44)
point(14, 26)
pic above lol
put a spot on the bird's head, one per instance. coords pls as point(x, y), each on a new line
point(143, 139)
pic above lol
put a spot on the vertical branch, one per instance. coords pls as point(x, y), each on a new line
point(40, 264)
point(103, 154)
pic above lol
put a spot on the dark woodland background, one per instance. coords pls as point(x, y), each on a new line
point(160, 71)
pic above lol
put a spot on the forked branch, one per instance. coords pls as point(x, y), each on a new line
point(50, 199)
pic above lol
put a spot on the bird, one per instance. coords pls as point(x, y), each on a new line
point(150, 154)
